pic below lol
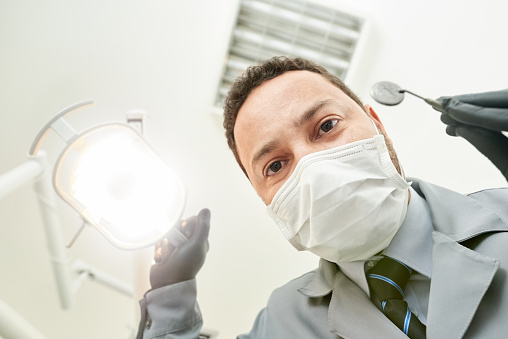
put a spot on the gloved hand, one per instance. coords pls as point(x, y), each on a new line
point(480, 118)
point(177, 264)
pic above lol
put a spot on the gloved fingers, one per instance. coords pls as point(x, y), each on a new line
point(183, 262)
point(486, 99)
point(493, 145)
point(198, 240)
point(200, 236)
point(188, 226)
point(452, 131)
point(495, 119)
point(203, 223)
point(163, 250)
point(448, 120)
point(452, 124)
point(157, 256)
point(164, 247)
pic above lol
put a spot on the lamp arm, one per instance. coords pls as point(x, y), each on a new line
point(56, 248)
point(85, 270)
point(17, 176)
point(14, 326)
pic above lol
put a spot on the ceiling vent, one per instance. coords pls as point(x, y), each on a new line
point(267, 28)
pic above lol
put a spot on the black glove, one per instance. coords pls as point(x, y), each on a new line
point(177, 264)
point(480, 118)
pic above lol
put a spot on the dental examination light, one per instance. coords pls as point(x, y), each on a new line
point(390, 94)
point(112, 177)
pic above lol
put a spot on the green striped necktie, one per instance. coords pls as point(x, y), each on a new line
point(387, 281)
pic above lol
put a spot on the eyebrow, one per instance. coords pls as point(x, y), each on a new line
point(273, 144)
point(311, 111)
point(267, 148)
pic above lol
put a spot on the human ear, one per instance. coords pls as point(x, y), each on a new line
point(373, 115)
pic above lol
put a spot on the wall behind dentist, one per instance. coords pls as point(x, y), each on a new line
point(165, 57)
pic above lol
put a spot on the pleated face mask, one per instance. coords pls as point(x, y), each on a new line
point(342, 204)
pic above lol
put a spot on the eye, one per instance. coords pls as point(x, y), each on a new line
point(275, 167)
point(327, 126)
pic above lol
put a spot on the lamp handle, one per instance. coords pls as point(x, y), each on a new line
point(34, 149)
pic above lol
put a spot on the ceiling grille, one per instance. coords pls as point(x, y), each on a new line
point(267, 28)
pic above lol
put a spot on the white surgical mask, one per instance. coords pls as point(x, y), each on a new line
point(342, 204)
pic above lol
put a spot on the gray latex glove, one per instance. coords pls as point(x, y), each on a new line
point(177, 264)
point(480, 118)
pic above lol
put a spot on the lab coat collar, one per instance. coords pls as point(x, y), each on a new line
point(462, 217)
point(322, 282)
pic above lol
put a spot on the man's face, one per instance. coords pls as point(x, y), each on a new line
point(290, 116)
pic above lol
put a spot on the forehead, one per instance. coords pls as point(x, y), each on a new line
point(282, 94)
point(279, 103)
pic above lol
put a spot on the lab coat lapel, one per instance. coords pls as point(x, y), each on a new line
point(353, 315)
point(460, 278)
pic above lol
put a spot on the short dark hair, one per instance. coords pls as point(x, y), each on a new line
point(256, 75)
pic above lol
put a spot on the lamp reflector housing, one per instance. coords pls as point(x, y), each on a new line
point(112, 177)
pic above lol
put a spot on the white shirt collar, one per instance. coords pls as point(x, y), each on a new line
point(412, 244)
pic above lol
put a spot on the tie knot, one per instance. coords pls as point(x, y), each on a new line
point(387, 281)
point(388, 278)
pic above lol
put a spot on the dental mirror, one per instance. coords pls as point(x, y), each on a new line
point(387, 93)
point(390, 94)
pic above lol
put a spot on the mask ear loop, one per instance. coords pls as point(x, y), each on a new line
point(402, 174)
point(375, 127)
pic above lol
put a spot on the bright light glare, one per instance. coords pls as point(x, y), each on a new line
point(122, 187)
